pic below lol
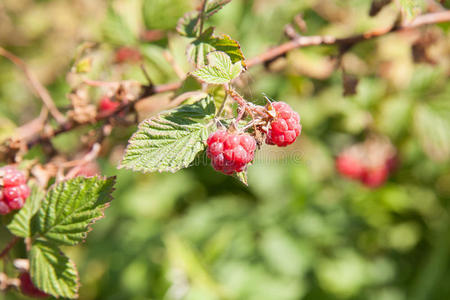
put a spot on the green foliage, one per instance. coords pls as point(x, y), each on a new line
point(412, 8)
point(71, 207)
point(220, 69)
point(20, 224)
point(52, 271)
point(170, 141)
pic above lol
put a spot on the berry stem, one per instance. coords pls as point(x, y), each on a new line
point(9, 246)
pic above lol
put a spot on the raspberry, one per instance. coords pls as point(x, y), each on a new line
point(349, 166)
point(12, 176)
point(128, 54)
point(374, 177)
point(15, 190)
point(285, 127)
point(230, 152)
point(28, 288)
point(107, 105)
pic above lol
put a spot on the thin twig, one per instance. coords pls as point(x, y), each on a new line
point(39, 89)
point(304, 41)
point(177, 69)
point(9, 246)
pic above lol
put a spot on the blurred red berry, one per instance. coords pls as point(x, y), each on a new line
point(375, 177)
point(285, 127)
point(107, 105)
point(12, 176)
point(230, 153)
point(349, 166)
point(128, 54)
point(28, 288)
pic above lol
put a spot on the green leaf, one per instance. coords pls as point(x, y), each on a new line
point(116, 31)
point(52, 271)
point(213, 6)
point(20, 224)
point(231, 47)
point(188, 24)
point(220, 69)
point(199, 49)
point(70, 208)
point(170, 141)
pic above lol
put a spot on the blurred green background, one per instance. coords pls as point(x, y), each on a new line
point(299, 230)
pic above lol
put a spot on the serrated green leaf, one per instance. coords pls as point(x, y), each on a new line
point(52, 271)
point(199, 49)
point(220, 69)
point(170, 141)
point(188, 24)
point(432, 126)
point(231, 47)
point(70, 208)
point(20, 224)
point(213, 6)
point(116, 31)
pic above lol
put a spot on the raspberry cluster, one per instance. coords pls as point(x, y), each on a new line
point(370, 162)
point(14, 190)
point(28, 288)
point(230, 152)
point(285, 126)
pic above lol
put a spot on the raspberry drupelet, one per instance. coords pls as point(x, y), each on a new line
point(285, 127)
point(230, 152)
point(14, 190)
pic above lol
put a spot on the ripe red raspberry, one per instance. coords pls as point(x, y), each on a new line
point(12, 176)
point(349, 166)
point(285, 127)
point(4, 208)
point(230, 152)
point(28, 288)
point(107, 105)
point(14, 191)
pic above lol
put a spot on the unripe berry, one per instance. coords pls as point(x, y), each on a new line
point(229, 152)
point(28, 288)
point(285, 127)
